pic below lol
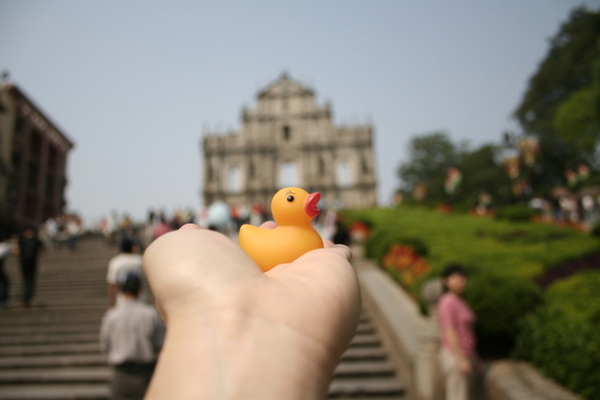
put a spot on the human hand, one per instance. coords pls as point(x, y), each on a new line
point(236, 332)
point(465, 366)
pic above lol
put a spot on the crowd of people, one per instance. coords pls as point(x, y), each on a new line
point(564, 207)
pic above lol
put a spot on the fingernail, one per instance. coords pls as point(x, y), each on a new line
point(346, 250)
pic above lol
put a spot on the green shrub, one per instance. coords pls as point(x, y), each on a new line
point(565, 346)
point(578, 293)
point(499, 301)
point(562, 339)
point(377, 244)
point(380, 241)
point(596, 230)
point(515, 212)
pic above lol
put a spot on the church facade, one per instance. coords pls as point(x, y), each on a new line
point(288, 139)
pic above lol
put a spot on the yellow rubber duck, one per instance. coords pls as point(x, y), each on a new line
point(293, 209)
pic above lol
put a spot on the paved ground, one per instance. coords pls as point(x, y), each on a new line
point(51, 351)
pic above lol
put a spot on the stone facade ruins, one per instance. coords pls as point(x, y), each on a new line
point(288, 139)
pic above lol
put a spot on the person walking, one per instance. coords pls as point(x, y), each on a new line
point(128, 260)
point(5, 249)
point(28, 247)
point(132, 334)
point(458, 359)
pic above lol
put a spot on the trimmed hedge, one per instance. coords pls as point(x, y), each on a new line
point(499, 301)
point(562, 338)
point(516, 213)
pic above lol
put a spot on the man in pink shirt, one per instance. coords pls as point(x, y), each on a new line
point(457, 356)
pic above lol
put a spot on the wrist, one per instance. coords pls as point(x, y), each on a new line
point(239, 355)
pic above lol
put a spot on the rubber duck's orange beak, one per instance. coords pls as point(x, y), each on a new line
point(310, 205)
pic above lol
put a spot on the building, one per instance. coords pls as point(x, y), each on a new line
point(33, 158)
point(290, 140)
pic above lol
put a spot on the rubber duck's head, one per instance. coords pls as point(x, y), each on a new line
point(294, 206)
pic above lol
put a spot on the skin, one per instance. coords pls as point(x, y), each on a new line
point(234, 332)
point(456, 284)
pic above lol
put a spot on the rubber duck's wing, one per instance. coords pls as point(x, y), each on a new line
point(254, 239)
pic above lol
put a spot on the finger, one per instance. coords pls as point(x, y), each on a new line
point(201, 257)
point(269, 225)
point(317, 263)
point(344, 249)
point(189, 227)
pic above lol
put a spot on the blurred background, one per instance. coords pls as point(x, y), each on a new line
point(138, 82)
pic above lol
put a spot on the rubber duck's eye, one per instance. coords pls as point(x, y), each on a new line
point(290, 198)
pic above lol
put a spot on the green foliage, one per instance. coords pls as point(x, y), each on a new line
point(499, 301)
point(561, 338)
point(380, 241)
point(482, 173)
point(515, 212)
point(430, 157)
point(567, 68)
point(578, 293)
point(596, 229)
point(576, 123)
point(522, 249)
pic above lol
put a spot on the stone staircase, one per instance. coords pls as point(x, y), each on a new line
point(51, 351)
point(364, 371)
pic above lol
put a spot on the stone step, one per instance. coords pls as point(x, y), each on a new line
point(66, 283)
point(366, 387)
point(365, 340)
point(364, 368)
point(40, 301)
point(364, 353)
point(89, 391)
point(48, 329)
point(376, 397)
point(56, 315)
point(365, 327)
point(58, 375)
point(48, 266)
point(51, 320)
point(53, 361)
point(50, 338)
point(47, 349)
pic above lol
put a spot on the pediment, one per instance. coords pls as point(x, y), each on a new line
point(285, 87)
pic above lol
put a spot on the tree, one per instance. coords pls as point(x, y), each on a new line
point(430, 157)
point(482, 173)
point(577, 119)
point(566, 69)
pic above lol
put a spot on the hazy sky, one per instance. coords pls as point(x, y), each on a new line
point(133, 83)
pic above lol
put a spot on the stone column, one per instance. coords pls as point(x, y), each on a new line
point(22, 170)
point(41, 186)
point(426, 373)
point(428, 383)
